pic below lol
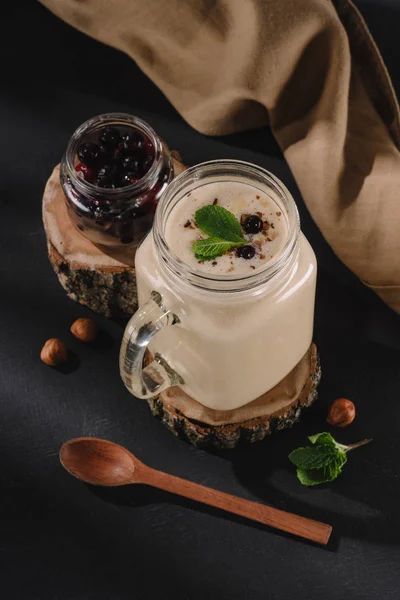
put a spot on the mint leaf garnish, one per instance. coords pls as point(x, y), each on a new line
point(322, 438)
point(323, 461)
point(314, 457)
point(317, 476)
point(210, 248)
point(218, 222)
point(223, 228)
point(326, 438)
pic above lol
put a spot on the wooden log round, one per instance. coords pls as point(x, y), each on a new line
point(101, 278)
point(278, 409)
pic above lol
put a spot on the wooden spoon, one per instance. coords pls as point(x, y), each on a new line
point(100, 462)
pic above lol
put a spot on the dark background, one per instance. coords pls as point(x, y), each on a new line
point(61, 540)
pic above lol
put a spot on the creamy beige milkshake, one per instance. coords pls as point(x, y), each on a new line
point(244, 319)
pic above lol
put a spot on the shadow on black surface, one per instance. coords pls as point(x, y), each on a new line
point(256, 140)
point(103, 343)
point(352, 504)
point(370, 526)
point(73, 363)
point(383, 21)
point(94, 67)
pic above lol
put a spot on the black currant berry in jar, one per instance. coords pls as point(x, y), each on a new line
point(113, 173)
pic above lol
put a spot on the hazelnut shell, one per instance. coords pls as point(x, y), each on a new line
point(54, 352)
point(341, 413)
point(85, 330)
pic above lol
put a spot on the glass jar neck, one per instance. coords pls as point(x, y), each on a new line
point(229, 171)
point(93, 126)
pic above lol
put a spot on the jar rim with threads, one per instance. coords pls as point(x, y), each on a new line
point(229, 170)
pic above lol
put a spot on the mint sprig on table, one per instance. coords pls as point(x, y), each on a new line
point(223, 228)
point(323, 461)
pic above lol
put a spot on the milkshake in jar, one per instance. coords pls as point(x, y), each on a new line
point(226, 287)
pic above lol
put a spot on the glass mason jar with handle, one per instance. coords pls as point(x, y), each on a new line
point(225, 339)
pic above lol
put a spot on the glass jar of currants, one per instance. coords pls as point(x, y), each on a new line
point(113, 173)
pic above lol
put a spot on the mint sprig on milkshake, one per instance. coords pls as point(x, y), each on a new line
point(223, 228)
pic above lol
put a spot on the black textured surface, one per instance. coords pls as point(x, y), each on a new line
point(60, 540)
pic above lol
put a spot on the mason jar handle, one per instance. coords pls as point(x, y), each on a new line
point(156, 377)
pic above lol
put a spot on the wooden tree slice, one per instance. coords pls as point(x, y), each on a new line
point(278, 409)
point(101, 278)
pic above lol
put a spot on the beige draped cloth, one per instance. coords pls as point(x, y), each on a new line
point(307, 67)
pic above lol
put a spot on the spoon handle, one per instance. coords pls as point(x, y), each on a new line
point(285, 521)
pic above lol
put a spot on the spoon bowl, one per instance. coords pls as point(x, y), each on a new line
point(100, 462)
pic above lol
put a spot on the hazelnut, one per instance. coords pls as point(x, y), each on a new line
point(85, 330)
point(341, 413)
point(54, 352)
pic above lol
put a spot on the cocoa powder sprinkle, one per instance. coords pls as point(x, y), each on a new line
point(215, 201)
point(188, 223)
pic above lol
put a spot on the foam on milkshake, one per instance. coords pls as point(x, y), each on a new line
point(242, 200)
